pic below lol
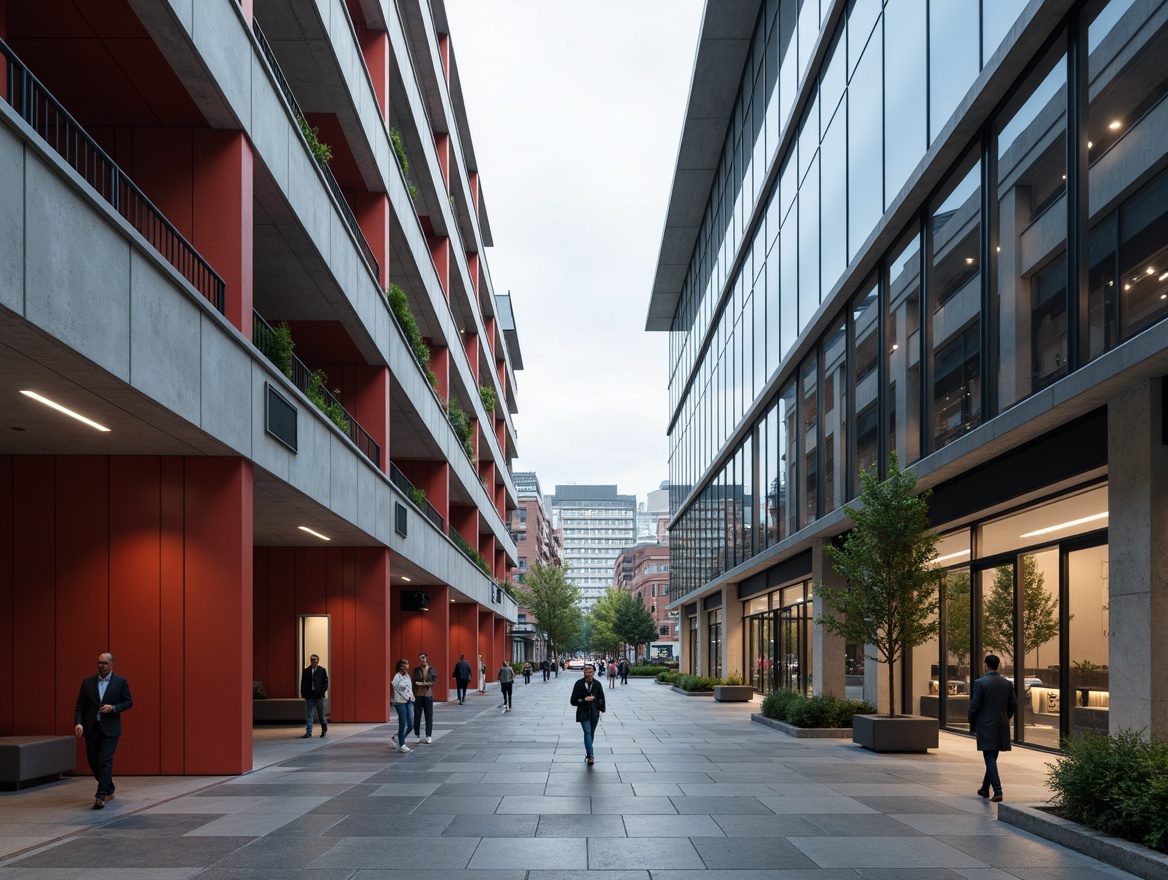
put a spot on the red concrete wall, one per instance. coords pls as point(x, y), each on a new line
point(376, 51)
point(487, 642)
point(470, 342)
point(149, 558)
point(433, 478)
point(442, 145)
point(440, 253)
point(351, 584)
point(440, 364)
point(372, 213)
point(464, 639)
point(415, 632)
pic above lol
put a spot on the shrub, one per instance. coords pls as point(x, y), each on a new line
point(776, 704)
point(463, 427)
point(321, 152)
point(668, 676)
point(316, 393)
point(399, 149)
point(1116, 785)
point(487, 393)
point(812, 712)
point(400, 306)
point(699, 683)
point(647, 671)
point(282, 346)
point(734, 678)
point(417, 496)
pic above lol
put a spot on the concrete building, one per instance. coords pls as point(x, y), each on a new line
point(190, 190)
point(653, 514)
point(596, 523)
point(943, 236)
point(536, 541)
point(643, 570)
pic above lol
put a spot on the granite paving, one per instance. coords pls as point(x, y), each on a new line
point(683, 788)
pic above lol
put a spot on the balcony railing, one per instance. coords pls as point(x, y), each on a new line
point(402, 482)
point(338, 196)
point(264, 337)
point(57, 128)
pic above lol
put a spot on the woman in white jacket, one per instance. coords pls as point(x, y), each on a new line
point(401, 697)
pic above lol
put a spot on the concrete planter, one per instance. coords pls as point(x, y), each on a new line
point(904, 733)
point(1131, 857)
point(733, 693)
point(802, 732)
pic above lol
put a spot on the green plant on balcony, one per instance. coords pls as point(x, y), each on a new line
point(418, 496)
point(463, 428)
point(403, 160)
point(470, 551)
point(316, 393)
point(487, 393)
point(282, 345)
point(399, 305)
point(321, 151)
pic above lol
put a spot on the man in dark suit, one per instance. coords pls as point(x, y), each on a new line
point(313, 685)
point(588, 698)
point(98, 717)
point(462, 677)
point(992, 703)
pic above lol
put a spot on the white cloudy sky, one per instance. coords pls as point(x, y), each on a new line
point(575, 110)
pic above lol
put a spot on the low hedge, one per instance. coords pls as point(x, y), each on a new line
point(647, 671)
point(1117, 785)
point(813, 712)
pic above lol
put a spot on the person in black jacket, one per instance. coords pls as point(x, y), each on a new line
point(462, 677)
point(588, 698)
point(992, 703)
point(313, 687)
point(98, 717)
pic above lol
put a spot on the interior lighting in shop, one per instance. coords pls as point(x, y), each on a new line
point(1066, 525)
point(64, 410)
point(314, 534)
point(949, 556)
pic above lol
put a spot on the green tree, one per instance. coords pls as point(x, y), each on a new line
point(552, 601)
point(634, 623)
point(1039, 611)
point(890, 600)
point(603, 618)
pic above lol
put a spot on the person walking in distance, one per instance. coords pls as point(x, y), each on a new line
point(313, 686)
point(612, 673)
point(401, 696)
point(546, 669)
point(506, 678)
point(623, 669)
point(98, 717)
point(527, 672)
point(462, 677)
point(482, 676)
point(992, 703)
point(588, 698)
point(425, 677)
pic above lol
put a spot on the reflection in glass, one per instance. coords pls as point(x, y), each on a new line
point(1032, 228)
point(835, 408)
point(954, 60)
point(865, 141)
point(1040, 643)
point(903, 349)
point(789, 461)
point(866, 383)
point(810, 423)
point(905, 94)
point(1088, 640)
point(955, 306)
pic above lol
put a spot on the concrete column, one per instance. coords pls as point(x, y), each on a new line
point(827, 649)
point(699, 660)
point(733, 649)
point(1137, 465)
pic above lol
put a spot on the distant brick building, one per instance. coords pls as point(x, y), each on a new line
point(643, 570)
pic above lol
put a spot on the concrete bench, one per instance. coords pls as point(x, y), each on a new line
point(32, 760)
point(281, 710)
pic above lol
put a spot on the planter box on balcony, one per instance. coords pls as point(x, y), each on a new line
point(903, 733)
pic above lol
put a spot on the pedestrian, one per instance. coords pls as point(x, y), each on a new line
point(623, 669)
point(461, 677)
point(612, 673)
point(588, 698)
point(506, 678)
point(425, 676)
point(313, 686)
point(527, 672)
point(992, 703)
point(545, 669)
point(482, 676)
point(98, 717)
point(401, 697)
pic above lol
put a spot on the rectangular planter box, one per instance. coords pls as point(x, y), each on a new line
point(904, 733)
point(803, 732)
point(733, 693)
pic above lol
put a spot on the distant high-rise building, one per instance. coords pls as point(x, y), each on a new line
point(651, 513)
point(536, 541)
point(596, 523)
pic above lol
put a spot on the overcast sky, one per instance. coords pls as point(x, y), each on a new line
point(575, 112)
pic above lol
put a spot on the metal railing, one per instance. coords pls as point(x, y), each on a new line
point(338, 195)
point(402, 482)
point(264, 337)
point(57, 128)
point(468, 551)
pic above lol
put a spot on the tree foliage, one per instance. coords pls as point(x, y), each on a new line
point(552, 601)
point(619, 620)
point(1039, 611)
point(957, 635)
point(890, 600)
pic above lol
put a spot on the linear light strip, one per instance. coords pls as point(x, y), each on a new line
point(315, 534)
point(1066, 525)
point(62, 409)
point(956, 555)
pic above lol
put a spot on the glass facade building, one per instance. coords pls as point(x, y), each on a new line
point(937, 231)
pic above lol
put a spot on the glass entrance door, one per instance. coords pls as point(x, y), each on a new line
point(794, 649)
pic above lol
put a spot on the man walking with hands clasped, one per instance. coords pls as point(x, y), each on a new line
point(992, 703)
point(98, 717)
point(313, 687)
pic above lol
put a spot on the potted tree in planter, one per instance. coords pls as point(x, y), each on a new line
point(891, 598)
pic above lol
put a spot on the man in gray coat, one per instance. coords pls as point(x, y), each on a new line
point(992, 704)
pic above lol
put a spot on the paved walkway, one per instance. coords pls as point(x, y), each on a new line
point(682, 785)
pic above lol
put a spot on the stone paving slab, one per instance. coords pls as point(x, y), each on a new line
point(683, 789)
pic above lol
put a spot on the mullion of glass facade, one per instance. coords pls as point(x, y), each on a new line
point(975, 290)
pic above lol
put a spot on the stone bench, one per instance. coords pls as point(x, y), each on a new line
point(276, 710)
point(31, 760)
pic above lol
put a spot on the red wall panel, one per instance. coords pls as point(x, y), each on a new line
point(7, 649)
point(370, 679)
point(223, 191)
point(172, 626)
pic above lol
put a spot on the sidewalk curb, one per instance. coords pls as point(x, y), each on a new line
point(1124, 854)
point(802, 732)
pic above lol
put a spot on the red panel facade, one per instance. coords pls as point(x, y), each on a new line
point(223, 176)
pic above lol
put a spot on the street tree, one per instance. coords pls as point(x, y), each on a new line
point(553, 602)
point(634, 623)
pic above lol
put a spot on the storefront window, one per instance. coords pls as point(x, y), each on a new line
point(865, 384)
point(714, 631)
point(903, 350)
point(1053, 521)
point(835, 408)
point(1088, 640)
point(789, 464)
point(810, 426)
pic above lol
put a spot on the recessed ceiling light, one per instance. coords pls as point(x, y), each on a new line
point(1114, 125)
point(956, 555)
point(315, 534)
point(1066, 525)
point(969, 261)
point(64, 410)
point(404, 578)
